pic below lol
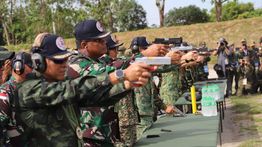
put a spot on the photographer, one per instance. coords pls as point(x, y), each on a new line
point(222, 53)
point(251, 59)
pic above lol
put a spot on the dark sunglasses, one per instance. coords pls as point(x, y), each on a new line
point(98, 40)
point(59, 61)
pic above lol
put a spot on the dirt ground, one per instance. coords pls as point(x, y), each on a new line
point(232, 135)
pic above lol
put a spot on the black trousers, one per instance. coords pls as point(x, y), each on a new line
point(232, 74)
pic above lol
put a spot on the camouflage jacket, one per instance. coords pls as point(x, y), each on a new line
point(49, 111)
point(170, 89)
point(9, 127)
point(97, 123)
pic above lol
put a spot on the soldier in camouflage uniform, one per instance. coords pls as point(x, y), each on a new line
point(247, 68)
point(91, 46)
point(146, 96)
point(105, 129)
point(170, 86)
point(10, 130)
point(127, 113)
point(48, 105)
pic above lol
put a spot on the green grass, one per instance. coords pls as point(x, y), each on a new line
point(252, 143)
point(248, 108)
point(233, 31)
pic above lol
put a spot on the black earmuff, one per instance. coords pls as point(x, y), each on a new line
point(135, 47)
point(19, 63)
point(38, 62)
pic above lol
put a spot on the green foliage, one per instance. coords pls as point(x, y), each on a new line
point(23, 19)
point(186, 15)
point(118, 15)
point(235, 10)
point(232, 10)
point(131, 16)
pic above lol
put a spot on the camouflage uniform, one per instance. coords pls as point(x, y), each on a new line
point(248, 71)
point(127, 112)
point(146, 101)
point(50, 111)
point(99, 124)
point(10, 130)
point(145, 104)
point(170, 86)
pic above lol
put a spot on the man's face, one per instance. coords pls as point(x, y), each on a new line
point(113, 53)
point(95, 47)
point(56, 69)
point(26, 71)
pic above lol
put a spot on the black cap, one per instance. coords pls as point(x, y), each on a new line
point(5, 54)
point(139, 41)
point(112, 43)
point(53, 47)
point(90, 29)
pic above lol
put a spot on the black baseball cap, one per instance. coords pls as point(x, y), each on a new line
point(90, 29)
point(112, 43)
point(5, 54)
point(139, 41)
point(53, 47)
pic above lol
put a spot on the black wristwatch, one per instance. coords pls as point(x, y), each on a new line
point(120, 75)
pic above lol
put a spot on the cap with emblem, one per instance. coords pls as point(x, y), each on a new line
point(139, 41)
point(53, 47)
point(90, 29)
point(111, 42)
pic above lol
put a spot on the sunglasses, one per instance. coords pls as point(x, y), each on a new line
point(97, 40)
point(59, 61)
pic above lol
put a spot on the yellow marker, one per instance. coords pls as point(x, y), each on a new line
point(193, 99)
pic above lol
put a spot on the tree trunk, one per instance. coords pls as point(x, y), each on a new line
point(161, 8)
point(6, 33)
point(111, 21)
point(218, 6)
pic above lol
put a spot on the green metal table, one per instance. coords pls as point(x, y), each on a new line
point(220, 107)
point(188, 131)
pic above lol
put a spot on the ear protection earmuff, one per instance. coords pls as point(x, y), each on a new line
point(135, 47)
point(19, 63)
point(38, 61)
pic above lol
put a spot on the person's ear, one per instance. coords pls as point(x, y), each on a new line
point(83, 45)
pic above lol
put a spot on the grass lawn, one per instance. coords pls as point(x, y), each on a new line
point(248, 116)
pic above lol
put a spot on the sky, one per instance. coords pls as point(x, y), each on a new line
point(152, 11)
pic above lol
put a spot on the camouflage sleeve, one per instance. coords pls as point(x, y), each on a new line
point(4, 109)
point(94, 90)
point(165, 68)
point(81, 66)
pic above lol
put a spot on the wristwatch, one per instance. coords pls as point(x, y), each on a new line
point(120, 75)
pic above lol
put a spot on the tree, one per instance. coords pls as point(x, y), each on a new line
point(232, 10)
point(186, 15)
point(218, 8)
point(161, 9)
point(130, 16)
point(118, 15)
